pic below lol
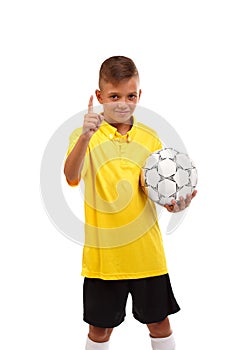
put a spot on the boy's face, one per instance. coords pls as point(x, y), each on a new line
point(119, 100)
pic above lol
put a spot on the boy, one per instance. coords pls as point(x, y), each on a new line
point(123, 251)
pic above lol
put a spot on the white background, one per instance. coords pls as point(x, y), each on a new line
point(50, 56)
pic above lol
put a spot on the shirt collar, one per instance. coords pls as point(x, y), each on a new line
point(111, 132)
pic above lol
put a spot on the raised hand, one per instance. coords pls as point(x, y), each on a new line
point(92, 121)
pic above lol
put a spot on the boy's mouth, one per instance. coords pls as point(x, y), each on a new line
point(122, 112)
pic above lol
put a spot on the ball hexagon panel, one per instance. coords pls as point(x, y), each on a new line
point(181, 177)
point(152, 194)
point(166, 167)
point(166, 188)
point(151, 161)
point(183, 161)
point(193, 177)
point(152, 177)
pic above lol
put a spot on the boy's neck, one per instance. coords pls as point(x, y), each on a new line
point(122, 128)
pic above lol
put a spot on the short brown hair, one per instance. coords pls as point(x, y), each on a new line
point(116, 69)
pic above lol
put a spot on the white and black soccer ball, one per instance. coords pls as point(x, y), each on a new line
point(168, 174)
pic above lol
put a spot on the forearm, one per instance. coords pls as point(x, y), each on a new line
point(74, 162)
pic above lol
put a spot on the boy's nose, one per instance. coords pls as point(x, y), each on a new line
point(122, 105)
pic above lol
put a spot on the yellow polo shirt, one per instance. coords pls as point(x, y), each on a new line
point(122, 235)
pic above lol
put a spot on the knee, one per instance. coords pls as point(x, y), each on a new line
point(99, 335)
point(160, 329)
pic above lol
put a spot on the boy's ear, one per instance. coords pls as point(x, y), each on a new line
point(139, 94)
point(98, 95)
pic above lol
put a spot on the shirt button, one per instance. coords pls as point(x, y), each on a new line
point(111, 136)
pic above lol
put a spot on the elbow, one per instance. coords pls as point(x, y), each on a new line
point(72, 181)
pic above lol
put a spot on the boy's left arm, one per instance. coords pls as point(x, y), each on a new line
point(183, 203)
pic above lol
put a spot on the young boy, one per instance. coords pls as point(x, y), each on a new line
point(123, 251)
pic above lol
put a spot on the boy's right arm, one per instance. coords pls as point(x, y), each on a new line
point(74, 162)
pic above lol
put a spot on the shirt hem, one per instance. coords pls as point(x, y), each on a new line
point(124, 276)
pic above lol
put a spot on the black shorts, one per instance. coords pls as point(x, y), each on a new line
point(105, 300)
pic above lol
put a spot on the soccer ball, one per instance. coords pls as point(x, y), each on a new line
point(168, 174)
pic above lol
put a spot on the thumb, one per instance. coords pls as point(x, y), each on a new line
point(101, 117)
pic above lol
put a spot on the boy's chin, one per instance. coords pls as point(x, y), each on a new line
point(120, 118)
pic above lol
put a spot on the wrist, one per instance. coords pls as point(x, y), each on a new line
point(85, 137)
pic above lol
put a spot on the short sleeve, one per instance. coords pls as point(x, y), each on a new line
point(73, 140)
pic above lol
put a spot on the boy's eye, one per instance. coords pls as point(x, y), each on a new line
point(114, 97)
point(132, 97)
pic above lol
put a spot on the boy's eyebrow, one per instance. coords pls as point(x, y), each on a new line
point(115, 92)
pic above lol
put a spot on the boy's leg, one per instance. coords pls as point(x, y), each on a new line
point(161, 335)
point(153, 300)
point(98, 338)
point(104, 307)
point(160, 329)
point(98, 334)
